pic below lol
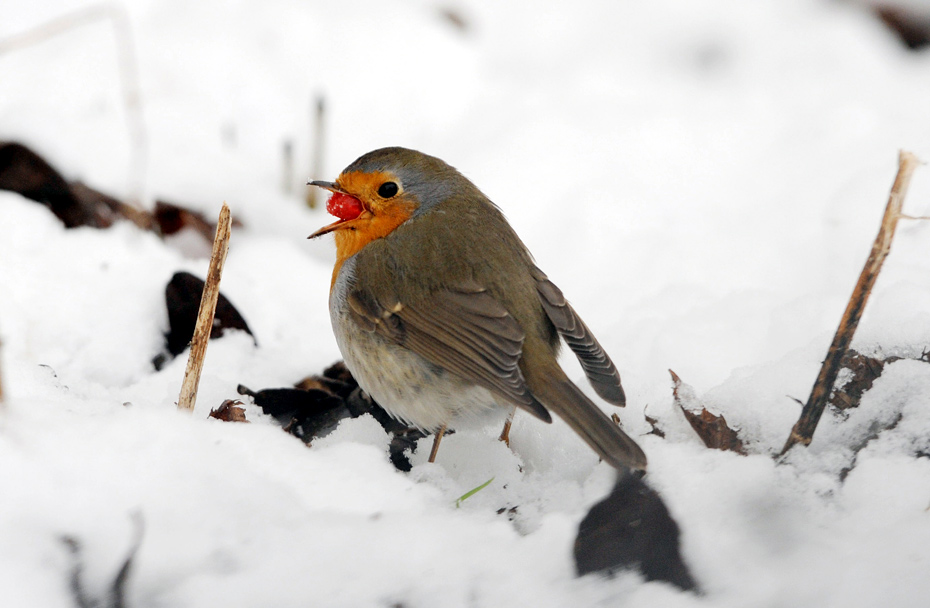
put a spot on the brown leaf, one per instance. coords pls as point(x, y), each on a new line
point(229, 411)
point(339, 371)
point(330, 385)
point(655, 426)
point(712, 429)
point(170, 219)
point(865, 370)
point(25, 172)
point(76, 204)
point(90, 198)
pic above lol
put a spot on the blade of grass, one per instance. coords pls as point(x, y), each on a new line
point(470, 493)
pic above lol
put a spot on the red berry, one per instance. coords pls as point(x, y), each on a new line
point(343, 206)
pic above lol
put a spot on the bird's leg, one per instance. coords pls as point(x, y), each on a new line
point(505, 434)
point(436, 439)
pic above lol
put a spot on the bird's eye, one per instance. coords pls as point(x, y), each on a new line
point(387, 190)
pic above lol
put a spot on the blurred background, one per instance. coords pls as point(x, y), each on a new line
point(702, 178)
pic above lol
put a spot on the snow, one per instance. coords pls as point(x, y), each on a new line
point(702, 179)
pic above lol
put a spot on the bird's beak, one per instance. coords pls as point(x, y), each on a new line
point(331, 186)
point(326, 229)
point(334, 188)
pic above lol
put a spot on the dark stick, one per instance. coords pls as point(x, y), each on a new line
point(803, 430)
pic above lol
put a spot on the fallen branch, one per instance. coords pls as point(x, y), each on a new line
point(211, 293)
point(803, 430)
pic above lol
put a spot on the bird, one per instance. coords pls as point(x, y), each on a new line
point(441, 313)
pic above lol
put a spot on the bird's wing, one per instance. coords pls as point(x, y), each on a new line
point(463, 330)
point(600, 370)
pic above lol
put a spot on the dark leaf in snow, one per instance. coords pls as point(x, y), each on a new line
point(632, 529)
point(229, 411)
point(182, 297)
point(712, 429)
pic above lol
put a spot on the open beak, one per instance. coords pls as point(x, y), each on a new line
point(336, 190)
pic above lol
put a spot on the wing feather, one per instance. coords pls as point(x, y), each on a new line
point(464, 331)
point(597, 366)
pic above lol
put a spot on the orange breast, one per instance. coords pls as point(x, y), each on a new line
point(380, 218)
point(365, 229)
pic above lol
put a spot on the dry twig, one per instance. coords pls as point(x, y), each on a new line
point(319, 146)
point(211, 293)
point(287, 166)
point(803, 430)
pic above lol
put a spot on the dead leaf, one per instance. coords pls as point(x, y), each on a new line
point(229, 411)
point(171, 218)
point(25, 172)
point(318, 403)
point(654, 424)
point(865, 370)
point(712, 429)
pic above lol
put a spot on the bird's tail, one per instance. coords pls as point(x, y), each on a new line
point(600, 432)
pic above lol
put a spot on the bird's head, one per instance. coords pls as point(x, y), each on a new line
point(382, 190)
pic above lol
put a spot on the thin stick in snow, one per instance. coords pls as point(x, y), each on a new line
point(319, 148)
point(287, 166)
point(803, 430)
point(211, 292)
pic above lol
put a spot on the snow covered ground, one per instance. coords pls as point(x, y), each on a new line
point(703, 179)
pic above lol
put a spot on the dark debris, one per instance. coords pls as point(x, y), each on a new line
point(865, 371)
point(24, 171)
point(319, 403)
point(229, 411)
point(182, 298)
point(632, 529)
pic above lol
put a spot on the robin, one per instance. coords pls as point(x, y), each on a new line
point(441, 313)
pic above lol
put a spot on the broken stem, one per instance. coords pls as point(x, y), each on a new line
point(319, 147)
point(436, 439)
point(211, 293)
point(803, 430)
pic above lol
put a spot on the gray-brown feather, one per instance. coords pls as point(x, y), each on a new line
point(606, 438)
point(597, 366)
point(462, 330)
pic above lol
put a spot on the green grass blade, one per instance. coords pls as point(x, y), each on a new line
point(470, 493)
